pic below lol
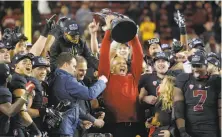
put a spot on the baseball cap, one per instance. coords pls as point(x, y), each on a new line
point(2, 45)
point(39, 61)
point(161, 55)
point(18, 57)
point(196, 43)
point(165, 46)
point(212, 54)
point(71, 27)
point(4, 71)
point(198, 59)
point(213, 59)
point(151, 41)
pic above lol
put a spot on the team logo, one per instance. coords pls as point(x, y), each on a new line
point(191, 86)
point(196, 58)
point(154, 83)
point(153, 40)
point(199, 86)
point(73, 27)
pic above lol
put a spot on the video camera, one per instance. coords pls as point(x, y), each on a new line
point(12, 36)
point(54, 117)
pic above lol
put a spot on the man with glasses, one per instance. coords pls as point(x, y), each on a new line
point(196, 100)
point(70, 41)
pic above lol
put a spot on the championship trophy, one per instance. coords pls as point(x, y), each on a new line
point(123, 29)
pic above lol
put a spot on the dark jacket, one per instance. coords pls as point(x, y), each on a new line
point(60, 45)
point(65, 86)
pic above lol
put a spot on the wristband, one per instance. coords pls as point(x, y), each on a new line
point(183, 31)
point(23, 98)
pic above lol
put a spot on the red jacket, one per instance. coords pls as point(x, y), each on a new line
point(121, 93)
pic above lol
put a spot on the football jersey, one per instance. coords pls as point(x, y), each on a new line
point(201, 98)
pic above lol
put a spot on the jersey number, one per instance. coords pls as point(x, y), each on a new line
point(203, 97)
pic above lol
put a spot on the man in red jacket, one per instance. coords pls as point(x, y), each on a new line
point(121, 93)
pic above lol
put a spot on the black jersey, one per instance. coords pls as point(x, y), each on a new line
point(201, 98)
point(5, 97)
point(38, 98)
point(166, 120)
point(151, 83)
point(18, 82)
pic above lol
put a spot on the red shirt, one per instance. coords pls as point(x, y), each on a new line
point(121, 92)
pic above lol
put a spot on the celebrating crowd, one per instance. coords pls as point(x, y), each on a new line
point(62, 87)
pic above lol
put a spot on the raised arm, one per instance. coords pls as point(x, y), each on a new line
point(75, 89)
point(137, 58)
point(93, 28)
point(104, 60)
point(39, 45)
point(180, 20)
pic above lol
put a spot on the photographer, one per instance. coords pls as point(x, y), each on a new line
point(6, 108)
point(70, 41)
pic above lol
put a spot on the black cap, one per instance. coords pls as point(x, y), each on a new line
point(71, 27)
point(198, 58)
point(196, 43)
point(4, 71)
point(2, 45)
point(165, 46)
point(161, 55)
point(213, 60)
point(39, 61)
point(212, 54)
point(151, 41)
point(18, 57)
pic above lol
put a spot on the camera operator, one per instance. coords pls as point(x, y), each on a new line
point(6, 108)
point(63, 85)
point(70, 41)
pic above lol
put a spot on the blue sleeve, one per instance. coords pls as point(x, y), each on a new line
point(77, 90)
point(86, 116)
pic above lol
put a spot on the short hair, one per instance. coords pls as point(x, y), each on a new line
point(64, 57)
point(80, 59)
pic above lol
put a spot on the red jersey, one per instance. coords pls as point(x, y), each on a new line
point(121, 93)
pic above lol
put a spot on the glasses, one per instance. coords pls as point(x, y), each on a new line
point(197, 65)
